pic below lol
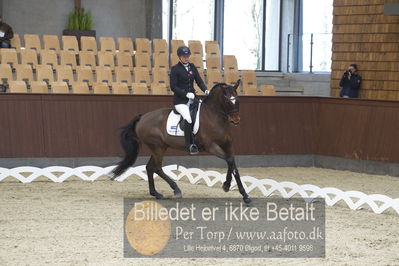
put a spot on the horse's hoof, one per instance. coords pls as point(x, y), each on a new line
point(178, 195)
point(157, 195)
point(247, 200)
point(111, 176)
point(226, 188)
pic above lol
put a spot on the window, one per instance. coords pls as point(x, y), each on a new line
point(165, 19)
point(243, 25)
point(193, 20)
point(272, 35)
point(317, 20)
point(248, 29)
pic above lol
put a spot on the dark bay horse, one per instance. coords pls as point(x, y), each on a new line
point(218, 112)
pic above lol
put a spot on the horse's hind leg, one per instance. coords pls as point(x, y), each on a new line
point(150, 173)
point(157, 168)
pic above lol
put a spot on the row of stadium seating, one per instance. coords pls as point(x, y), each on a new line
point(85, 74)
point(107, 44)
point(86, 58)
point(89, 65)
point(103, 88)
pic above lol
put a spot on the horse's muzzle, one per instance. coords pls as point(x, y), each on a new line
point(234, 118)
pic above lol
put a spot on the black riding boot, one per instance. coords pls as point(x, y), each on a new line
point(189, 137)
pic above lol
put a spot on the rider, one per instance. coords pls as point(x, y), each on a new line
point(182, 76)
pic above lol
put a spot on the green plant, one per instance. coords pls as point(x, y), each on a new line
point(79, 19)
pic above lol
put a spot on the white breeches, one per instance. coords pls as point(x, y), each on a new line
point(184, 110)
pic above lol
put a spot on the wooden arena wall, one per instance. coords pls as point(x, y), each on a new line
point(87, 125)
point(363, 35)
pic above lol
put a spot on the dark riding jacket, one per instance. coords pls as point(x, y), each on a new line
point(8, 33)
point(182, 82)
point(350, 87)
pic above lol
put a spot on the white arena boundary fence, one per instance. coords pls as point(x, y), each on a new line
point(355, 200)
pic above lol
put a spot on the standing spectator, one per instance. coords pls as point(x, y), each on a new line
point(6, 34)
point(350, 83)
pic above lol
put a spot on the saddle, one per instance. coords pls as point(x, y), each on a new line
point(175, 126)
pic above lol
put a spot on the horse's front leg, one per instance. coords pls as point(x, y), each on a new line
point(233, 171)
point(239, 184)
point(230, 165)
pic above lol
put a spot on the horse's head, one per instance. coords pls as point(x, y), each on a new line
point(232, 103)
point(225, 97)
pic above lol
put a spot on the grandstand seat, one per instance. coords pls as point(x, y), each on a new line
point(101, 88)
point(197, 61)
point(17, 86)
point(174, 44)
point(59, 87)
point(88, 43)
point(143, 46)
point(161, 60)
point(104, 74)
point(231, 77)
point(212, 48)
point(142, 60)
point(120, 88)
point(106, 59)
point(32, 41)
point(29, 56)
point(45, 73)
point(140, 88)
point(9, 56)
point(160, 76)
point(5, 73)
point(85, 74)
point(213, 62)
point(123, 74)
point(197, 89)
point(80, 88)
point(16, 42)
point(68, 58)
point(124, 59)
point(251, 91)
point(125, 45)
point(268, 90)
point(159, 89)
point(51, 42)
point(230, 63)
point(249, 81)
point(107, 44)
point(196, 48)
point(38, 87)
point(160, 46)
point(214, 77)
point(64, 73)
point(48, 57)
point(87, 58)
point(142, 75)
point(24, 73)
point(70, 43)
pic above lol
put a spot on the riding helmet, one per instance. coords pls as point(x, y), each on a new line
point(183, 50)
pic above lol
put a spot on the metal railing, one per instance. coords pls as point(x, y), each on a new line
point(313, 49)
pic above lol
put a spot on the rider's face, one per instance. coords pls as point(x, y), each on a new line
point(184, 59)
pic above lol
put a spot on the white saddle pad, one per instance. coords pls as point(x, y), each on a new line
point(172, 125)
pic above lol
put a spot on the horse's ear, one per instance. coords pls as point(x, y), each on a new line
point(237, 84)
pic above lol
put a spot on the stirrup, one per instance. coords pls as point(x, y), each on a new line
point(193, 149)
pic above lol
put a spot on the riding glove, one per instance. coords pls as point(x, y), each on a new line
point(190, 95)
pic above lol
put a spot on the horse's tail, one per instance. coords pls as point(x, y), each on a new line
point(130, 144)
